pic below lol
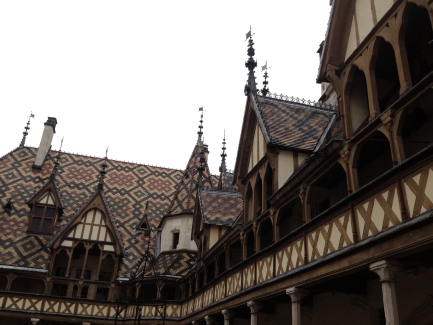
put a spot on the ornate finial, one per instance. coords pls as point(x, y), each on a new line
point(102, 172)
point(201, 168)
point(200, 128)
point(251, 64)
point(57, 161)
point(223, 155)
point(265, 89)
point(26, 130)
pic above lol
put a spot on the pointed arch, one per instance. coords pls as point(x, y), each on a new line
point(416, 33)
point(269, 189)
point(357, 98)
point(372, 158)
point(383, 67)
point(266, 234)
point(289, 218)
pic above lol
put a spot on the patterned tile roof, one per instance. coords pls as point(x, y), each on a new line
point(174, 262)
point(220, 208)
point(225, 182)
point(292, 125)
point(184, 199)
point(127, 188)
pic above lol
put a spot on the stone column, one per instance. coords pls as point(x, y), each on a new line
point(34, 321)
point(254, 309)
point(210, 320)
point(228, 315)
point(386, 270)
point(296, 294)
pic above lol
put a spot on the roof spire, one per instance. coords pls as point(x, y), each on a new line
point(251, 64)
point(265, 89)
point(201, 168)
point(200, 128)
point(223, 155)
point(102, 172)
point(57, 161)
point(26, 130)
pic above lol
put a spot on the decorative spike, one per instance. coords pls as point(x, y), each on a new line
point(57, 161)
point(26, 130)
point(223, 155)
point(200, 128)
point(102, 172)
point(251, 64)
point(265, 89)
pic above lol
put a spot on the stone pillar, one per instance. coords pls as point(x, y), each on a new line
point(34, 321)
point(386, 270)
point(85, 323)
point(254, 309)
point(296, 294)
point(228, 315)
point(210, 320)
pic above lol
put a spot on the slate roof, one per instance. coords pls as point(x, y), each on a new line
point(184, 199)
point(174, 262)
point(292, 125)
point(219, 207)
point(127, 188)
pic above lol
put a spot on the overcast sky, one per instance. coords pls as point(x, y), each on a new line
point(131, 75)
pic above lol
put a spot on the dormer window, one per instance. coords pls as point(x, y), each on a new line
point(43, 214)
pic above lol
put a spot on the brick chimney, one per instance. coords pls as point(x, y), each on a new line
point(45, 145)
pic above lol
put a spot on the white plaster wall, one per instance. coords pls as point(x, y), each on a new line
point(382, 6)
point(213, 235)
point(258, 148)
point(181, 223)
point(364, 17)
point(351, 43)
point(285, 167)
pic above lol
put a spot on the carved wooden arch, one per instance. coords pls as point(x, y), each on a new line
point(258, 233)
point(356, 151)
point(347, 86)
point(372, 60)
point(402, 23)
point(306, 202)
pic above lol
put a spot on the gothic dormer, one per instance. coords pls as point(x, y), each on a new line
point(46, 207)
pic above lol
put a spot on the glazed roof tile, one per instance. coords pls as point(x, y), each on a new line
point(292, 125)
point(127, 188)
point(184, 198)
point(174, 262)
point(219, 207)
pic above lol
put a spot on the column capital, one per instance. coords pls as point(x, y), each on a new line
point(228, 314)
point(254, 306)
point(386, 269)
point(296, 294)
point(34, 321)
point(210, 320)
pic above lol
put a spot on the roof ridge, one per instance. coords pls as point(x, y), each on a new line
point(297, 100)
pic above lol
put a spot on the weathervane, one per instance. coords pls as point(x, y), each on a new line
point(265, 89)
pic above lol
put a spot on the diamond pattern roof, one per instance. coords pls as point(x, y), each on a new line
point(292, 125)
point(220, 208)
point(127, 188)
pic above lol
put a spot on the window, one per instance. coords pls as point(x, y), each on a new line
point(84, 292)
point(60, 271)
point(59, 290)
point(86, 275)
point(43, 214)
point(105, 276)
point(175, 240)
point(101, 294)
